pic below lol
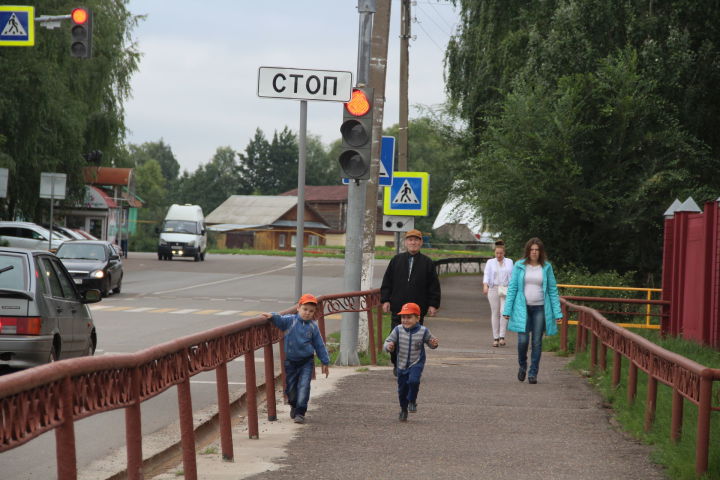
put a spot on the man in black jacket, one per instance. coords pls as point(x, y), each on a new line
point(410, 277)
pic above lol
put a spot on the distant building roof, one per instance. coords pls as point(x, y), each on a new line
point(253, 211)
point(322, 193)
point(457, 212)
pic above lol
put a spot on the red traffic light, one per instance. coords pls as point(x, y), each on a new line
point(79, 16)
point(359, 104)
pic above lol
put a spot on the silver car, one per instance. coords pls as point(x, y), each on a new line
point(44, 318)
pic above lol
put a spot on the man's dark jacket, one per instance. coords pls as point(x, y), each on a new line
point(423, 287)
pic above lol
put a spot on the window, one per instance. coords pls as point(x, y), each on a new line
point(292, 241)
point(281, 240)
point(47, 270)
point(13, 271)
point(65, 281)
point(314, 240)
point(8, 232)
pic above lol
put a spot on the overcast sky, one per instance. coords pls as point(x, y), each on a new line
point(197, 84)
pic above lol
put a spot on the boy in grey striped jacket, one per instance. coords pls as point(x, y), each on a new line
point(409, 338)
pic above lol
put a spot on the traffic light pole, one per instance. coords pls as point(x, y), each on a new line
point(356, 205)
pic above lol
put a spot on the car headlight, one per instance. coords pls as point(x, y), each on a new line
point(97, 274)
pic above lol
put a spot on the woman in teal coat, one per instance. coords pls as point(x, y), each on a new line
point(532, 305)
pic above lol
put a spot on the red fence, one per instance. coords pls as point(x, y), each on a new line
point(688, 379)
point(54, 396)
point(691, 274)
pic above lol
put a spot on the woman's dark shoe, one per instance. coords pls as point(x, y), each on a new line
point(412, 407)
point(532, 380)
point(521, 374)
point(403, 415)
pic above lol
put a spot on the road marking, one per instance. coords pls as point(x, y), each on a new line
point(252, 313)
point(184, 310)
point(141, 309)
point(209, 311)
point(226, 280)
point(334, 316)
point(117, 309)
point(161, 310)
point(99, 307)
point(228, 312)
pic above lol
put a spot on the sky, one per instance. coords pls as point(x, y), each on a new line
point(196, 88)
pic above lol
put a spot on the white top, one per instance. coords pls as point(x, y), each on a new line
point(533, 285)
point(496, 274)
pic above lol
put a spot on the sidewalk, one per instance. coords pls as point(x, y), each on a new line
point(474, 419)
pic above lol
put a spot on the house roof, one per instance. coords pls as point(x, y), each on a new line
point(322, 193)
point(455, 211)
point(253, 211)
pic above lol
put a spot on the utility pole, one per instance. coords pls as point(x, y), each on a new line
point(356, 199)
point(405, 35)
point(378, 70)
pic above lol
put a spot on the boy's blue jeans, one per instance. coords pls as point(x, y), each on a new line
point(298, 374)
point(534, 326)
point(408, 380)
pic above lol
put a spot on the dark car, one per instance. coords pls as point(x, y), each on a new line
point(93, 264)
point(44, 317)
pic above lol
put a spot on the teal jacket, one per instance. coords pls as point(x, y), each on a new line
point(516, 307)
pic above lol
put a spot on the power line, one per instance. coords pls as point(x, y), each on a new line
point(451, 27)
point(430, 37)
point(439, 27)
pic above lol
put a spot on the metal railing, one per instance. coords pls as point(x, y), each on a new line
point(648, 296)
point(55, 396)
point(460, 265)
point(687, 379)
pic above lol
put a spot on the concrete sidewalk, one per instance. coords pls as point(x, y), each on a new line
point(474, 419)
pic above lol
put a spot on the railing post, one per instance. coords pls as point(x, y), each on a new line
point(603, 356)
point(270, 379)
point(617, 368)
point(677, 416)
point(321, 320)
point(223, 393)
point(593, 351)
point(632, 382)
point(187, 433)
point(251, 395)
point(703, 428)
point(65, 435)
point(650, 402)
point(564, 328)
point(371, 336)
point(133, 429)
point(380, 339)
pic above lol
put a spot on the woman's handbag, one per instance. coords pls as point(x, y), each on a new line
point(502, 290)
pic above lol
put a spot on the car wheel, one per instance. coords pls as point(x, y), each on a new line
point(92, 344)
point(160, 257)
point(202, 257)
point(54, 354)
point(119, 286)
point(197, 257)
point(105, 291)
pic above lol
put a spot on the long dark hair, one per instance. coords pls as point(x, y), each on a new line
point(542, 258)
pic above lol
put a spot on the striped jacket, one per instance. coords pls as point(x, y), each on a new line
point(410, 344)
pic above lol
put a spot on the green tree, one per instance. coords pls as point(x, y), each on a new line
point(269, 168)
point(53, 107)
point(212, 183)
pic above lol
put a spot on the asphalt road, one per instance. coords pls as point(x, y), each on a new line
point(165, 300)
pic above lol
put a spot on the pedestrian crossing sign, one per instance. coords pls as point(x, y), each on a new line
point(17, 26)
point(408, 194)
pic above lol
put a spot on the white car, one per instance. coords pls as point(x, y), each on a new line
point(29, 235)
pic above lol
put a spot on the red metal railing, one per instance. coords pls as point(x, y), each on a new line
point(688, 379)
point(54, 396)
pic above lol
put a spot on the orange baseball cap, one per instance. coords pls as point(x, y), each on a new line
point(410, 309)
point(413, 233)
point(307, 298)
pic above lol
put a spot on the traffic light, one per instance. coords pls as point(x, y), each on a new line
point(81, 33)
point(356, 131)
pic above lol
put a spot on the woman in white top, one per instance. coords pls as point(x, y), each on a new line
point(495, 282)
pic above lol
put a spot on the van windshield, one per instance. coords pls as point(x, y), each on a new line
point(181, 226)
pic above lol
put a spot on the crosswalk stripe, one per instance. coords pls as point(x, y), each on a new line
point(184, 310)
point(162, 310)
point(141, 309)
point(206, 312)
point(99, 307)
point(228, 312)
point(117, 309)
point(251, 313)
point(334, 316)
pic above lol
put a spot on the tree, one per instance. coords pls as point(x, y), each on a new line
point(54, 108)
point(212, 183)
point(587, 121)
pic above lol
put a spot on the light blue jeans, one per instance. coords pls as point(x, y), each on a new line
point(534, 326)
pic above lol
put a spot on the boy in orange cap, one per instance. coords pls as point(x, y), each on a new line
point(302, 341)
point(408, 339)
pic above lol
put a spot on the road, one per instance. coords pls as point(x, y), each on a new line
point(165, 300)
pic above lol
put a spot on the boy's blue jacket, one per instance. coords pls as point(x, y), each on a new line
point(302, 338)
point(516, 307)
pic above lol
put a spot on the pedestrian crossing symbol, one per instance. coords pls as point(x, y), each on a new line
point(17, 26)
point(408, 194)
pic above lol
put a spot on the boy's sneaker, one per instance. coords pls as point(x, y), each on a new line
point(292, 412)
point(403, 415)
point(299, 418)
point(412, 407)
